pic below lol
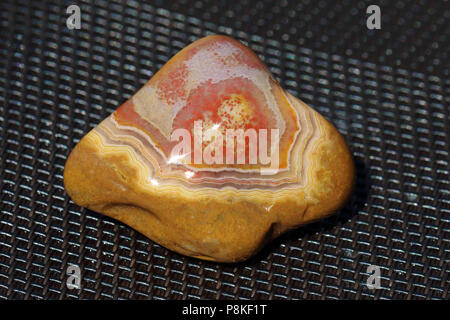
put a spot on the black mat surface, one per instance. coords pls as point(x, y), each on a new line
point(386, 90)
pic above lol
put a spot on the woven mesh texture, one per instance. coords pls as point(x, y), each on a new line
point(386, 90)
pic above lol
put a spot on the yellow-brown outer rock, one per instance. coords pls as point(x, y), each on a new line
point(123, 167)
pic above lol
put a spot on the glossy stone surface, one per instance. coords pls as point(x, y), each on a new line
point(203, 201)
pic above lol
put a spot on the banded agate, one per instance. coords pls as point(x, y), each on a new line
point(204, 200)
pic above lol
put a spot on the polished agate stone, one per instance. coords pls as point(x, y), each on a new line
point(212, 158)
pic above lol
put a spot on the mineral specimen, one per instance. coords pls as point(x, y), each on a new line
point(212, 158)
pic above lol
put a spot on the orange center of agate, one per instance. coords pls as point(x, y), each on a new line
point(231, 104)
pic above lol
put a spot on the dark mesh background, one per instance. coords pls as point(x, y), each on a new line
point(385, 90)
